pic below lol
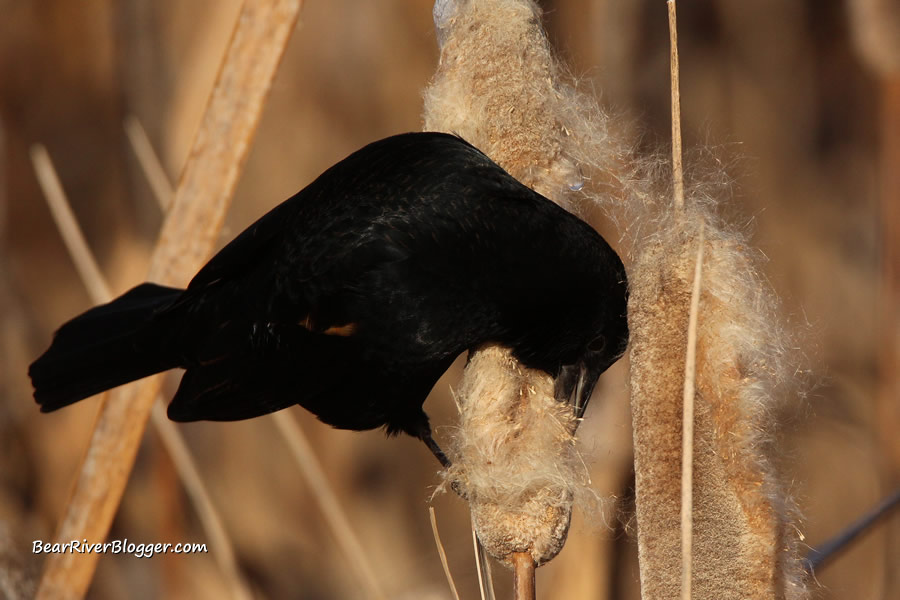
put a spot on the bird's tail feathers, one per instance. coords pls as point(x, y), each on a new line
point(105, 347)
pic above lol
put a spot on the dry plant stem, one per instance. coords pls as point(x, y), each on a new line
point(677, 171)
point(888, 407)
point(149, 161)
point(220, 148)
point(687, 428)
point(831, 549)
point(875, 25)
point(212, 524)
point(483, 568)
point(690, 367)
point(188, 237)
point(97, 288)
point(287, 427)
point(67, 223)
point(441, 552)
point(328, 502)
point(523, 582)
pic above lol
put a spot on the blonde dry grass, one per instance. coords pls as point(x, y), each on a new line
point(674, 71)
point(690, 366)
point(483, 568)
point(687, 427)
point(150, 164)
point(442, 553)
point(328, 503)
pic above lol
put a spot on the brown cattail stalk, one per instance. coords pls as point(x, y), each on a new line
point(742, 545)
point(188, 237)
point(674, 71)
point(523, 584)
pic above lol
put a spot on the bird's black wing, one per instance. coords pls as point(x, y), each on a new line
point(325, 300)
point(245, 252)
point(355, 295)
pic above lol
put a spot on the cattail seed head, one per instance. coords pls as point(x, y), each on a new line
point(514, 456)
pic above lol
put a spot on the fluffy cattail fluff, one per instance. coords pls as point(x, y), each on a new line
point(743, 544)
point(499, 87)
point(514, 457)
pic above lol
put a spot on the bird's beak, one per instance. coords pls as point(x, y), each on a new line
point(576, 382)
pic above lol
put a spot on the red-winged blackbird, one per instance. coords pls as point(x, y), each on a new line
point(352, 298)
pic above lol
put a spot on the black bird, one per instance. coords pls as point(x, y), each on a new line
point(354, 296)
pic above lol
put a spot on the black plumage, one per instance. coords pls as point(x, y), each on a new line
point(352, 297)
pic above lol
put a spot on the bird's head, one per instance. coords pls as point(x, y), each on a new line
point(575, 382)
point(599, 346)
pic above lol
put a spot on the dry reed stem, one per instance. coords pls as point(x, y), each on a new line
point(523, 580)
point(834, 547)
point(299, 445)
point(67, 223)
point(188, 472)
point(4, 186)
point(690, 367)
point(483, 568)
point(888, 407)
point(150, 164)
point(875, 28)
point(328, 502)
point(441, 552)
point(188, 237)
point(98, 289)
point(677, 171)
point(687, 428)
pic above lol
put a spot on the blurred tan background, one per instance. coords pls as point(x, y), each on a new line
point(799, 100)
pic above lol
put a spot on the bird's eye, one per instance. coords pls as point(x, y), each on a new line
point(597, 344)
